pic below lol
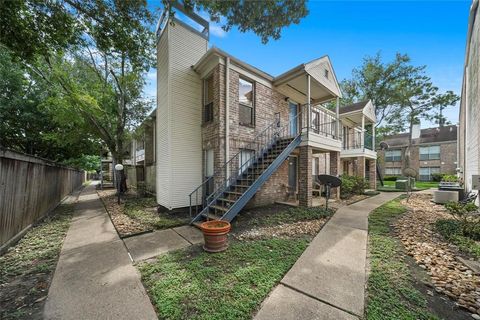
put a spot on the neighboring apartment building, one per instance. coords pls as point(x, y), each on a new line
point(434, 150)
point(141, 163)
point(469, 129)
point(230, 135)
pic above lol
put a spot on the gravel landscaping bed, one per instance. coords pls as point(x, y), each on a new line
point(438, 257)
point(137, 215)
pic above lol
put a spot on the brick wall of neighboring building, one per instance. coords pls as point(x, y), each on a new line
point(448, 157)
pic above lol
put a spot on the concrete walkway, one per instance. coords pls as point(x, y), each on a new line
point(95, 278)
point(328, 280)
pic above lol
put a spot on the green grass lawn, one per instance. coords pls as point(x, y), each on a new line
point(390, 284)
point(25, 270)
point(418, 185)
point(192, 284)
point(451, 231)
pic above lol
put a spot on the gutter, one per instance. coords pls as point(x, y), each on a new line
point(227, 114)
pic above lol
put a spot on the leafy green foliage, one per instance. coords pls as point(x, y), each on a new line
point(390, 284)
point(401, 92)
point(264, 18)
point(27, 126)
point(451, 230)
point(449, 178)
point(437, 177)
point(192, 284)
point(467, 215)
point(352, 185)
point(86, 162)
point(390, 178)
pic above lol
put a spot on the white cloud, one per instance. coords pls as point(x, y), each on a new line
point(217, 30)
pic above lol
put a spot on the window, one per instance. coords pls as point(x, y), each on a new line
point(209, 170)
point(246, 96)
point(245, 160)
point(316, 121)
point(430, 153)
point(326, 73)
point(315, 166)
point(393, 171)
point(393, 155)
point(425, 173)
point(208, 100)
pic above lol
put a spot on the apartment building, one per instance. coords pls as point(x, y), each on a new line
point(469, 128)
point(434, 150)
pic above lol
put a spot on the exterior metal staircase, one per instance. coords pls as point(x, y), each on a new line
point(237, 181)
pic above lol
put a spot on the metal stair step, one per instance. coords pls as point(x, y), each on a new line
point(226, 200)
point(219, 208)
point(211, 216)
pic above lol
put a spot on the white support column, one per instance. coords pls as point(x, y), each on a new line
point(373, 136)
point(309, 108)
point(362, 134)
point(337, 114)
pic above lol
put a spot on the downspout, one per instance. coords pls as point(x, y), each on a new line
point(227, 114)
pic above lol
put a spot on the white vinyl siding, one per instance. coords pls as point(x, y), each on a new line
point(430, 153)
point(183, 124)
point(162, 148)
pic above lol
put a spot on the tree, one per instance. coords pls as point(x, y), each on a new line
point(265, 18)
point(417, 97)
point(379, 82)
point(26, 124)
point(95, 53)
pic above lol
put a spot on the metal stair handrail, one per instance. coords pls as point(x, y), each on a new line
point(258, 145)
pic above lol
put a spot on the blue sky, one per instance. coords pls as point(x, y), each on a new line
point(432, 33)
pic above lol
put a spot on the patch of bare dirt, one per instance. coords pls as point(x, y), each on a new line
point(434, 255)
point(287, 230)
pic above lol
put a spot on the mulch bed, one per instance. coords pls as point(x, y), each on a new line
point(439, 258)
point(125, 225)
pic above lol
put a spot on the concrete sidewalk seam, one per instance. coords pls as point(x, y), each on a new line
point(319, 300)
point(182, 236)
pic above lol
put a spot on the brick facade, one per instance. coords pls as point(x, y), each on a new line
point(446, 163)
point(305, 177)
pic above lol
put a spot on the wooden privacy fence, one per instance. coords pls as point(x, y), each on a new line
point(30, 188)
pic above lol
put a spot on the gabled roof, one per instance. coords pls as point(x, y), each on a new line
point(429, 135)
point(353, 107)
point(315, 68)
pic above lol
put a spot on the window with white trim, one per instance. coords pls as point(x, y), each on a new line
point(208, 99)
point(246, 97)
point(393, 171)
point(245, 160)
point(425, 173)
point(393, 155)
point(430, 153)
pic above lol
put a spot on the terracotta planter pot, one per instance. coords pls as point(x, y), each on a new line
point(215, 234)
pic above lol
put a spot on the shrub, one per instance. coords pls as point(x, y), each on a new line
point(466, 214)
point(352, 185)
point(390, 178)
point(437, 177)
point(449, 178)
